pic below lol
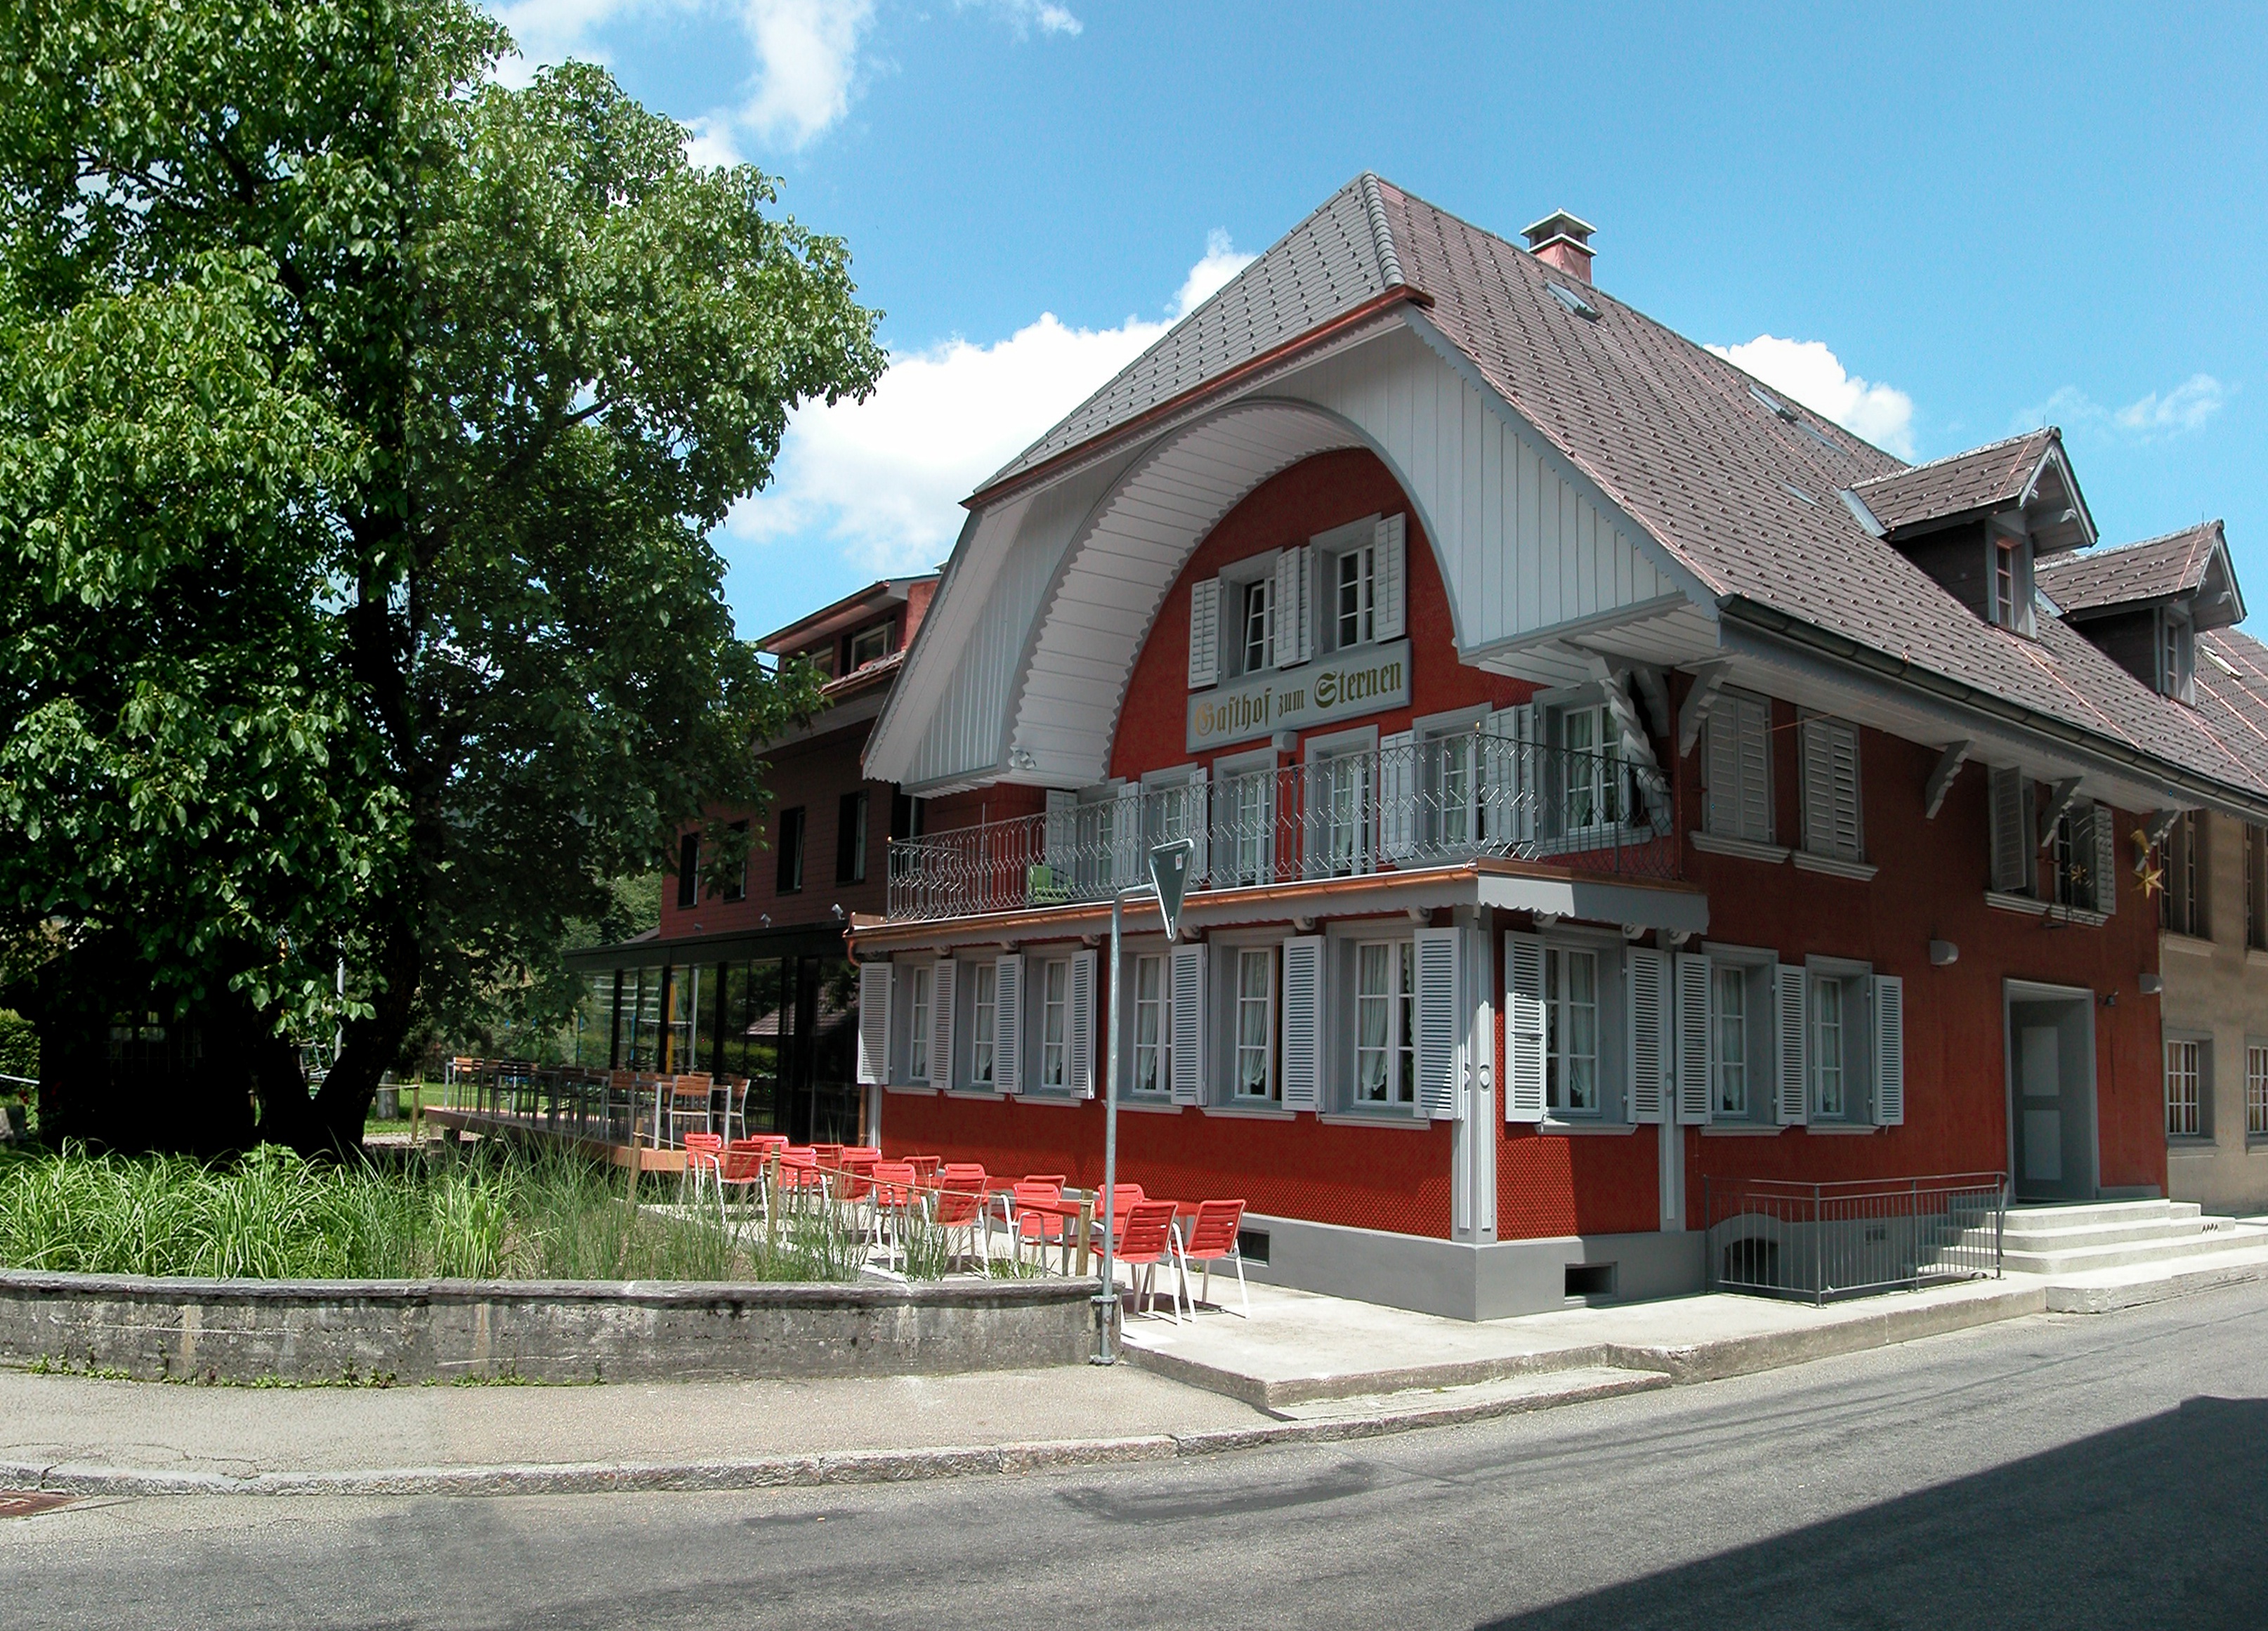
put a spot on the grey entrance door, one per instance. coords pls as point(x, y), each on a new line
point(2052, 1097)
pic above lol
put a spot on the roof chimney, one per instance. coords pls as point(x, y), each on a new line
point(1563, 241)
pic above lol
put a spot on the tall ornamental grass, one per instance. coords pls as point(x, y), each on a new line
point(497, 1214)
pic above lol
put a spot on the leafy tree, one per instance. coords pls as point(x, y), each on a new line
point(361, 423)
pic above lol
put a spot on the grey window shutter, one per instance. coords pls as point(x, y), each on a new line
point(1754, 758)
point(1187, 1060)
point(1523, 1028)
point(2106, 858)
point(1889, 1051)
point(1390, 618)
point(1721, 813)
point(1847, 831)
point(1081, 1026)
point(1204, 633)
point(1693, 1105)
point(1295, 633)
point(1652, 1041)
point(1303, 1022)
point(940, 1025)
point(1791, 1033)
point(1439, 1024)
point(1397, 795)
point(2012, 830)
point(874, 1024)
point(1008, 1024)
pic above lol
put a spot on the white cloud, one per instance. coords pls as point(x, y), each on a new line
point(2154, 417)
point(1811, 374)
point(882, 480)
point(807, 51)
point(1044, 15)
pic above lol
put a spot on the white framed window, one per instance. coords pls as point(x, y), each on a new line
point(1153, 1025)
point(868, 645)
point(1738, 765)
point(1344, 787)
point(1243, 848)
point(1729, 1040)
point(2256, 1089)
point(1055, 1023)
point(1354, 597)
point(1253, 1073)
point(2006, 576)
point(985, 1008)
point(1831, 824)
point(1596, 784)
point(2181, 859)
point(1571, 1031)
point(1256, 625)
point(2176, 655)
point(2184, 1084)
point(1385, 1023)
point(918, 1036)
point(1830, 1094)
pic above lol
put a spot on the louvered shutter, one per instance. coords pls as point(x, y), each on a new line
point(1293, 607)
point(1652, 1043)
point(1303, 1022)
point(1082, 1024)
point(1792, 1035)
point(874, 1024)
point(1204, 633)
point(1506, 776)
point(1721, 814)
point(1397, 794)
point(1692, 1040)
point(1187, 1061)
point(1889, 1051)
point(1008, 1024)
point(2106, 858)
point(1388, 618)
point(1844, 831)
point(1523, 1028)
point(1439, 1024)
point(1127, 848)
point(2012, 830)
point(940, 1025)
point(1753, 726)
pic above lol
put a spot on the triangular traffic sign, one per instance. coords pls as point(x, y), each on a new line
point(1169, 873)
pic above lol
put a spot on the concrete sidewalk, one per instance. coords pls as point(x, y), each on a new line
point(1303, 1368)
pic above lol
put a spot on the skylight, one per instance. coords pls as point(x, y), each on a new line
point(2219, 661)
point(1573, 301)
point(1796, 491)
point(1772, 402)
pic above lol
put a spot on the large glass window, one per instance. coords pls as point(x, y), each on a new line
point(1245, 813)
point(1728, 1022)
point(1347, 806)
point(1593, 772)
point(869, 644)
point(984, 1008)
point(1570, 1030)
point(1255, 1023)
point(1150, 1025)
point(1385, 1023)
point(918, 1035)
point(1055, 1025)
point(1451, 788)
point(1830, 1094)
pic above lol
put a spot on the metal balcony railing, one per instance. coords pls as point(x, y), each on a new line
point(1350, 815)
point(1820, 1241)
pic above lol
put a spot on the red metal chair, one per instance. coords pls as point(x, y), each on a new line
point(829, 1154)
point(1210, 1239)
point(1123, 1198)
point(1146, 1240)
point(1034, 1226)
point(858, 1165)
point(743, 1167)
point(962, 1213)
point(925, 1169)
point(898, 1201)
point(703, 1156)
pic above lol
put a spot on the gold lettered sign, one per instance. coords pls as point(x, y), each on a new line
point(1343, 686)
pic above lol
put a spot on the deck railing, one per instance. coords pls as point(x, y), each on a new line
point(1820, 1242)
point(1447, 800)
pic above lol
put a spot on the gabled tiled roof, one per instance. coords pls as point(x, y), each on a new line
point(2232, 693)
point(1741, 492)
point(1962, 483)
point(2153, 569)
point(1334, 260)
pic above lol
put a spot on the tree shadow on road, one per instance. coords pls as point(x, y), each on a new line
point(2161, 1523)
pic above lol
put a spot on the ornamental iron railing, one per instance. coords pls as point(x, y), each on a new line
point(1820, 1242)
point(1447, 800)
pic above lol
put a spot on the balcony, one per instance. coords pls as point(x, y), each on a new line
point(1447, 801)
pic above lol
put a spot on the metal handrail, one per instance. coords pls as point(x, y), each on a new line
point(1445, 801)
point(1851, 1237)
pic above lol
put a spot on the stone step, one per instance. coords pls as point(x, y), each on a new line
point(2084, 1214)
point(2120, 1256)
point(2078, 1239)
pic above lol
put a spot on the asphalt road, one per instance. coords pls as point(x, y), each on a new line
point(2057, 1472)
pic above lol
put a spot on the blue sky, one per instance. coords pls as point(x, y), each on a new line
point(1946, 224)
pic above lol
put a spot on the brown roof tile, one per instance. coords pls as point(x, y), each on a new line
point(1960, 484)
point(2150, 570)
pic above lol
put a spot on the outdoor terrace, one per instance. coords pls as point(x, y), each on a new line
point(1473, 796)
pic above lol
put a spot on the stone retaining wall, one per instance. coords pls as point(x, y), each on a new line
point(411, 1331)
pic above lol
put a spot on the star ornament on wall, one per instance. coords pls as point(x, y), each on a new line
point(2152, 879)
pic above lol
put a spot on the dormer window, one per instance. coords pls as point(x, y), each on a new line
point(2176, 655)
point(2011, 583)
point(868, 645)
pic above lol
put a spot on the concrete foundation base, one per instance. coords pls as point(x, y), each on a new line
point(1463, 1282)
